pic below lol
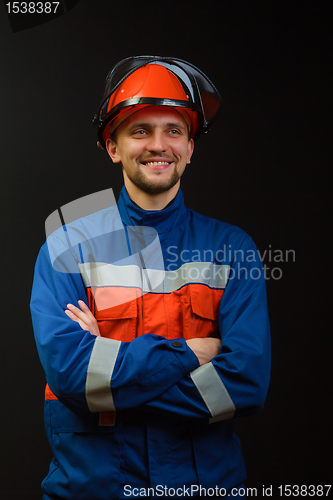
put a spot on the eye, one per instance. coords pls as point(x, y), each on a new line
point(140, 132)
point(174, 131)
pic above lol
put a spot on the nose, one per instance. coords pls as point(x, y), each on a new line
point(157, 142)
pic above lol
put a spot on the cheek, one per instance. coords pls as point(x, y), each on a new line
point(185, 154)
point(184, 150)
point(132, 152)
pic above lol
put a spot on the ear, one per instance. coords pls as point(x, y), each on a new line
point(112, 150)
point(190, 149)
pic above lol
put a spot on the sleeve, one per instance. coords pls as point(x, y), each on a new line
point(89, 373)
point(236, 381)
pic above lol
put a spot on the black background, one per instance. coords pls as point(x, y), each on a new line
point(264, 167)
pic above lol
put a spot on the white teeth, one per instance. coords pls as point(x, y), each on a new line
point(156, 163)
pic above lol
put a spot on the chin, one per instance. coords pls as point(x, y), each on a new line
point(155, 186)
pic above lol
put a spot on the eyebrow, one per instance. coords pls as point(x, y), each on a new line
point(148, 125)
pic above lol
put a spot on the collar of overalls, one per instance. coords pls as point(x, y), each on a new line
point(161, 220)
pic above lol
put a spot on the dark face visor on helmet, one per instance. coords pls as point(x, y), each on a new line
point(203, 97)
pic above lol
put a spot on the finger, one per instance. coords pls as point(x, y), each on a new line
point(71, 315)
point(85, 308)
point(75, 310)
point(72, 307)
point(83, 305)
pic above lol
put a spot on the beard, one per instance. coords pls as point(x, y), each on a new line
point(156, 186)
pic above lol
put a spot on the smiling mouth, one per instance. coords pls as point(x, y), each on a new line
point(156, 163)
point(157, 166)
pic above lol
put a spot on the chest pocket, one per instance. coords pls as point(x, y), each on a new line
point(194, 312)
point(119, 322)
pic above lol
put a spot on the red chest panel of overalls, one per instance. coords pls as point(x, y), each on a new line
point(189, 312)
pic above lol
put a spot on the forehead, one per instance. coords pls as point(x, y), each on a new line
point(155, 115)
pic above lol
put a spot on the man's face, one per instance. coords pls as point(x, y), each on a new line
point(153, 147)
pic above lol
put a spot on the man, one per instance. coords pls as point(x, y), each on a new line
point(152, 329)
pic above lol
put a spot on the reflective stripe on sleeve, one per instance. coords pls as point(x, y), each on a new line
point(213, 392)
point(100, 369)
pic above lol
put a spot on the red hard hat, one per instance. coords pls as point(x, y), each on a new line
point(154, 82)
point(143, 81)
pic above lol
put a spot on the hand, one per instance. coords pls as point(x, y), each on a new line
point(205, 349)
point(84, 317)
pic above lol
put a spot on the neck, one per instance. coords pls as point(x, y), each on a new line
point(148, 201)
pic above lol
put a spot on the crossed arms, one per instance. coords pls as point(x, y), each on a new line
point(199, 378)
point(205, 349)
